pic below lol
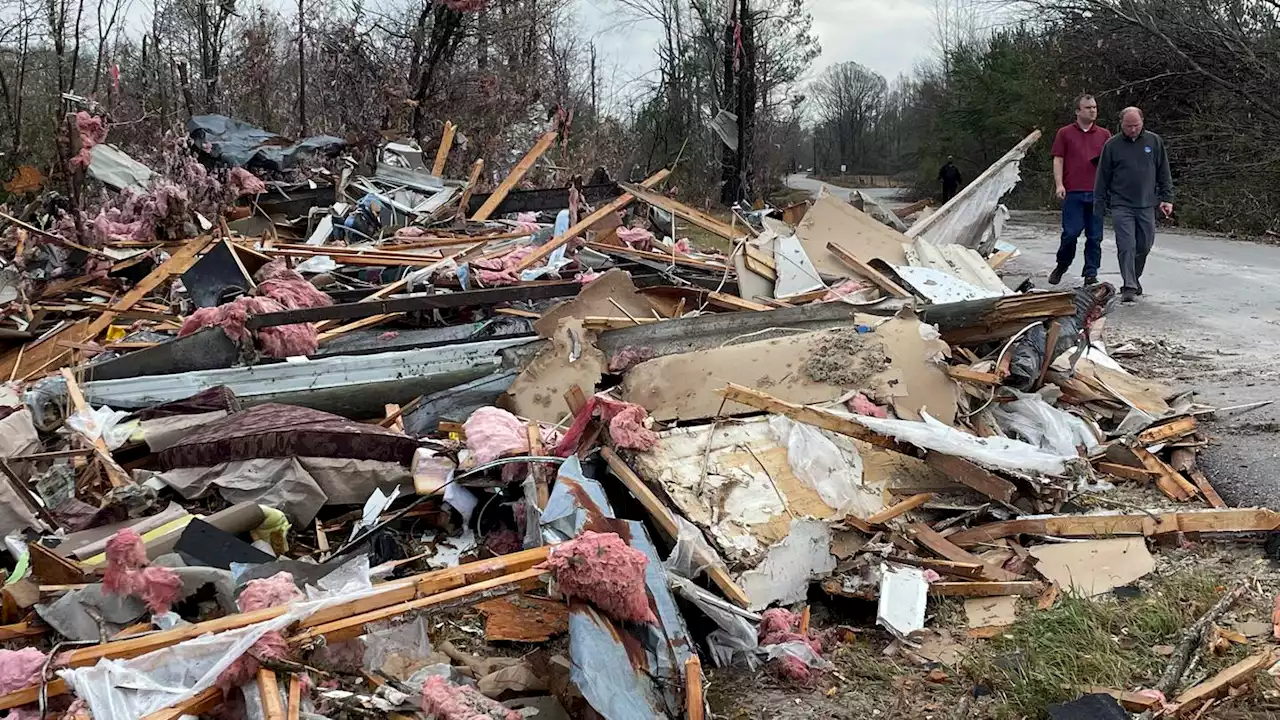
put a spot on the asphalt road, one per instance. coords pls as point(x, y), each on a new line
point(1209, 321)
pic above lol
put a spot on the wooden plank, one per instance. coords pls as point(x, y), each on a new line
point(695, 707)
point(986, 589)
point(666, 522)
point(442, 154)
point(897, 509)
point(1169, 481)
point(585, 223)
point(658, 257)
point(22, 630)
point(1239, 520)
point(33, 357)
point(810, 416)
point(269, 693)
point(1172, 430)
point(391, 593)
point(868, 272)
point(517, 174)
point(115, 474)
point(178, 263)
point(524, 618)
point(352, 626)
point(1234, 676)
point(476, 168)
point(295, 696)
point(50, 568)
point(679, 209)
point(965, 374)
point(1126, 472)
point(967, 571)
point(735, 302)
point(936, 543)
point(915, 207)
point(1206, 488)
point(972, 475)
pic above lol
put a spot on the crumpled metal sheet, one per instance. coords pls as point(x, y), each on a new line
point(241, 144)
point(629, 671)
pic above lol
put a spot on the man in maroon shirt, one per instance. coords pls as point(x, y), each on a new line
point(1075, 164)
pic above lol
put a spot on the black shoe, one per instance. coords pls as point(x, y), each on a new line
point(1090, 281)
point(1139, 288)
point(1055, 277)
point(1129, 297)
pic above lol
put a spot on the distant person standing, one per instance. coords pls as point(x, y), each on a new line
point(1133, 179)
point(1076, 149)
point(950, 178)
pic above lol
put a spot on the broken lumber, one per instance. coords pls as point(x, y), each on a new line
point(1172, 430)
point(936, 543)
point(194, 706)
point(900, 508)
point(387, 594)
point(295, 696)
point(179, 262)
point(1023, 588)
point(1127, 472)
point(467, 192)
point(442, 153)
point(585, 223)
point(880, 279)
point(1169, 481)
point(817, 417)
point(1131, 701)
point(695, 709)
point(680, 210)
point(517, 174)
point(269, 693)
point(352, 626)
point(1232, 677)
point(657, 257)
point(115, 473)
point(666, 522)
point(524, 618)
point(972, 475)
point(1236, 520)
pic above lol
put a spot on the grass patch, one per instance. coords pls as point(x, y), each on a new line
point(1047, 656)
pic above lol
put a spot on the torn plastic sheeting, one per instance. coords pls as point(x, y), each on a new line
point(993, 451)
point(692, 554)
point(1031, 418)
point(736, 636)
point(819, 463)
point(103, 423)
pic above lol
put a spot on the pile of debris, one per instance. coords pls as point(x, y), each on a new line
point(274, 462)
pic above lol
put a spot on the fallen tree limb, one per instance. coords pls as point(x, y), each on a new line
point(1194, 637)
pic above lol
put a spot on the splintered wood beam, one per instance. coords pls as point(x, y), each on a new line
point(1219, 684)
point(470, 189)
point(680, 210)
point(971, 474)
point(517, 174)
point(442, 154)
point(808, 415)
point(1244, 520)
point(115, 473)
point(936, 543)
point(179, 262)
point(901, 508)
point(1023, 588)
point(1172, 430)
point(881, 280)
point(585, 223)
point(666, 522)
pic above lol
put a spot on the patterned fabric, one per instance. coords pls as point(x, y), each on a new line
point(278, 431)
point(205, 401)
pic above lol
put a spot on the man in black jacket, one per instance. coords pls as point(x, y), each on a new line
point(950, 178)
point(1133, 179)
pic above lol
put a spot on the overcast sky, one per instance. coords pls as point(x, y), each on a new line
point(888, 37)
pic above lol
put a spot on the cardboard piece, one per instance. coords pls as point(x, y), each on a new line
point(1094, 567)
point(572, 359)
point(992, 611)
point(832, 220)
point(594, 301)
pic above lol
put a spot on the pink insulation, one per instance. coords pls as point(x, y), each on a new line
point(844, 289)
point(603, 570)
point(125, 555)
point(587, 277)
point(630, 356)
point(626, 425)
point(274, 591)
point(20, 668)
point(861, 405)
point(778, 627)
point(281, 289)
point(241, 182)
point(388, 336)
point(446, 701)
point(127, 573)
point(638, 238)
point(139, 216)
point(493, 432)
point(683, 245)
point(410, 233)
point(92, 130)
point(159, 588)
point(501, 271)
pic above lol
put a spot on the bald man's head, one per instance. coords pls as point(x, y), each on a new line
point(1131, 122)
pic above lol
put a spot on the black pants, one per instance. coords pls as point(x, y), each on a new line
point(948, 192)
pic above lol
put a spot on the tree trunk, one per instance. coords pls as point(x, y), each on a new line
point(302, 72)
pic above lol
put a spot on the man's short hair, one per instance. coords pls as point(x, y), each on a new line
point(1081, 98)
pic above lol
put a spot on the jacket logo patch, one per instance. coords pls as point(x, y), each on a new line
point(1147, 149)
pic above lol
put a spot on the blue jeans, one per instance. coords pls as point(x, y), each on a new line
point(1078, 216)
